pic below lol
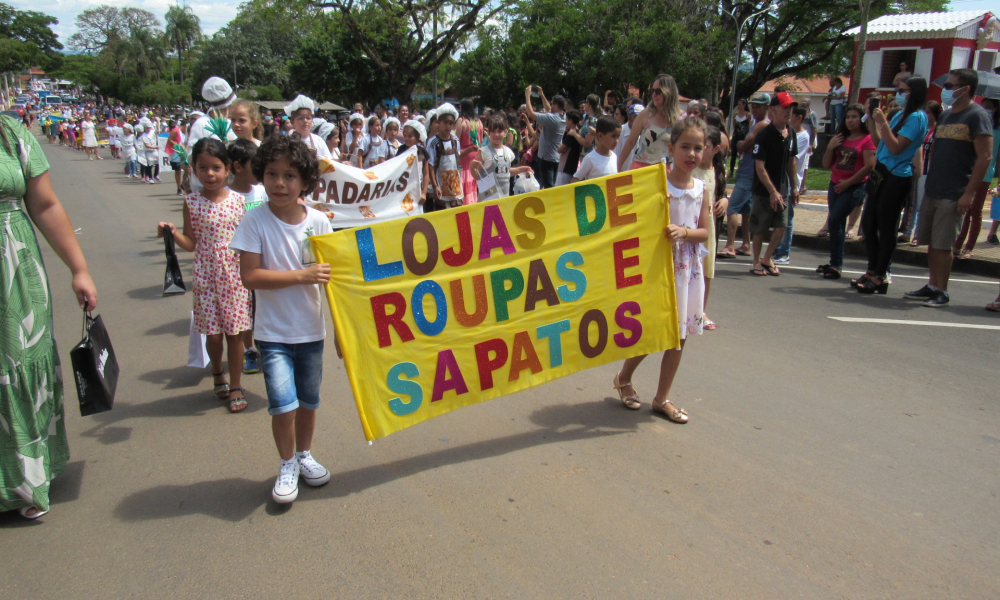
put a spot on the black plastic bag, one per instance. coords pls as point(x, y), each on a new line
point(173, 281)
point(95, 367)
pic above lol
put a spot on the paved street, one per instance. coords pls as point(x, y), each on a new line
point(824, 458)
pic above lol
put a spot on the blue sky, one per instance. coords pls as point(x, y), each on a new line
point(214, 14)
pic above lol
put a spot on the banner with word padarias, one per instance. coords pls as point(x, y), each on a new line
point(354, 197)
point(443, 310)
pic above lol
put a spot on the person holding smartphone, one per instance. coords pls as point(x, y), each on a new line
point(889, 183)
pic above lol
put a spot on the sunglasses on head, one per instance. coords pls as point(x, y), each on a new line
point(952, 86)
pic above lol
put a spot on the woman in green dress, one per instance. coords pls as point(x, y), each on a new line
point(33, 446)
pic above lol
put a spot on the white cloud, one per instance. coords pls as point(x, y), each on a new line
point(213, 15)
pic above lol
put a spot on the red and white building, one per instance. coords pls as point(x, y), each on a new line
point(930, 43)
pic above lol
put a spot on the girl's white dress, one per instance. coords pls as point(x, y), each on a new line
point(689, 277)
point(89, 135)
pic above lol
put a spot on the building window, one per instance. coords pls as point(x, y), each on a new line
point(891, 62)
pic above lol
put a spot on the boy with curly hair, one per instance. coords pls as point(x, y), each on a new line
point(276, 261)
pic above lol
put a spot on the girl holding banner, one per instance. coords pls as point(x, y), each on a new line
point(690, 212)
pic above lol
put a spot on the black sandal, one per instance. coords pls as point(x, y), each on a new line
point(870, 287)
point(822, 268)
point(859, 281)
point(830, 272)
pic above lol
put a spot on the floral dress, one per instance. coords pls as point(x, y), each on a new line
point(33, 446)
point(221, 303)
point(689, 277)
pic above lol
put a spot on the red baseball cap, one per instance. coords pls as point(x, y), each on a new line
point(783, 99)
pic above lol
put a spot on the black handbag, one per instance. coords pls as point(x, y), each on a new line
point(95, 368)
point(173, 281)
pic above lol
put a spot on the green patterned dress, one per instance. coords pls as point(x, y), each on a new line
point(33, 446)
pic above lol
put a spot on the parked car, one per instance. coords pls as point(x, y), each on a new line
point(21, 100)
point(19, 108)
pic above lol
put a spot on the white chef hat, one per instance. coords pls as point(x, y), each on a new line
point(356, 117)
point(145, 122)
point(390, 120)
point(447, 109)
point(431, 113)
point(139, 128)
point(317, 124)
point(326, 129)
point(127, 126)
point(217, 92)
point(418, 127)
point(196, 113)
point(300, 102)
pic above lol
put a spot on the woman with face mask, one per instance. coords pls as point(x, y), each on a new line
point(888, 186)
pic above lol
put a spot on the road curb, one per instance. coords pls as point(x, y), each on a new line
point(904, 254)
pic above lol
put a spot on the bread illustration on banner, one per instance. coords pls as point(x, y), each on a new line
point(407, 204)
point(409, 160)
point(371, 175)
point(326, 166)
point(366, 212)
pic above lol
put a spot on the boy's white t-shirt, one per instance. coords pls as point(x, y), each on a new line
point(254, 198)
point(594, 165)
point(293, 314)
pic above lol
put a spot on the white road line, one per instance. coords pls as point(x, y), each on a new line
point(846, 272)
point(924, 323)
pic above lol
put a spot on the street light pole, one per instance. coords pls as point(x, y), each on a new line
point(736, 62)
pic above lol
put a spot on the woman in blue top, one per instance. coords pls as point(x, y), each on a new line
point(889, 184)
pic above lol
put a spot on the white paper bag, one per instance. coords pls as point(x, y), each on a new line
point(197, 352)
point(487, 185)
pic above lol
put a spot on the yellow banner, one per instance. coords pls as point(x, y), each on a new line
point(447, 309)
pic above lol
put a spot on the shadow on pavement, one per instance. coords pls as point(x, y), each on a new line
point(196, 404)
point(153, 292)
point(236, 499)
point(177, 377)
point(180, 328)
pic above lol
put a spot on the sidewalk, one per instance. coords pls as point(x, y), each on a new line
point(811, 214)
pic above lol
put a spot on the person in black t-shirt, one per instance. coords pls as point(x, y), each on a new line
point(775, 182)
point(569, 150)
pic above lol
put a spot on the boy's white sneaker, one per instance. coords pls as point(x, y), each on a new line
point(314, 473)
point(286, 488)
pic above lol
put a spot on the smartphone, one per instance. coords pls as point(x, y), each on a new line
point(535, 91)
point(872, 104)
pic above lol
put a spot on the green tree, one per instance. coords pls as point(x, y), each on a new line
point(257, 45)
point(578, 47)
point(98, 27)
point(330, 65)
point(399, 37)
point(34, 31)
point(803, 37)
point(16, 55)
point(183, 30)
point(78, 68)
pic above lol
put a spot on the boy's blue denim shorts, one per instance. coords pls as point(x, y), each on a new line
point(292, 375)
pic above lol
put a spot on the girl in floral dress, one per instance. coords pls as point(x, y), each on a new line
point(221, 303)
point(690, 212)
point(33, 446)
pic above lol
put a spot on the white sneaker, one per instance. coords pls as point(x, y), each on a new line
point(314, 473)
point(782, 261)
point(286, 488)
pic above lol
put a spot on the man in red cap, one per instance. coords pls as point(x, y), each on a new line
point(775, 183)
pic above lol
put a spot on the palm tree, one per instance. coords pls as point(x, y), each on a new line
point(183, 30)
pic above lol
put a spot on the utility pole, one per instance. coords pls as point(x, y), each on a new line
point(859, 64)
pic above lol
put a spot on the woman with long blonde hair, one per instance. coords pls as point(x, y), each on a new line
point(650, 134)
